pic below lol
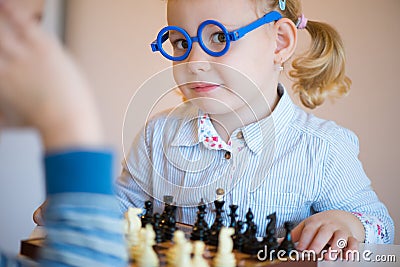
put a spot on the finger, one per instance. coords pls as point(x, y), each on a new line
point(307, 235)
point(337, 243)
point(321, 238)
point(16, 22)
point(351, 250)
point(296, 232)
point(10, 44)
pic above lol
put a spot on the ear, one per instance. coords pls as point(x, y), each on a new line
point(286, 40)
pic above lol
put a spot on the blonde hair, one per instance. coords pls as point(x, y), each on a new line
point(320, 72)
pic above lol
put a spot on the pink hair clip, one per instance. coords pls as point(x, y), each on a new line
point(301, 22)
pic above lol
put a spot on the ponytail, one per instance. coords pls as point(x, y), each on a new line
point(320, 72)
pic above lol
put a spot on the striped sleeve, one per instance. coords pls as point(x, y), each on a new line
point(346, 187)
point(12, 261)
point(83, 221)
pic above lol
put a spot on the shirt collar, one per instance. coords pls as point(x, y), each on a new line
point(187, 134)
point(254, 134)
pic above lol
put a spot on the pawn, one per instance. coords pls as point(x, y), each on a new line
point(148, 257)
point(179, 240)
point(157, 228)
point(183, 254)
point(198, 251)
point(287, 244)
point(238, 237)
point(225, 257)
point(250, 224)
point(233, 215)
point(148, 215)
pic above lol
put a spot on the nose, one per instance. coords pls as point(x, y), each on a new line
point(198, 59)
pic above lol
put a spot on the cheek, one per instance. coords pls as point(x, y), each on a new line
point(253, 57)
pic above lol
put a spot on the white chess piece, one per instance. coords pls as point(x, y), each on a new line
point(136, 251)
point(183, 254)
point(133, 224)
point(225, 256)
point(198, 250)
point(148, 257)
point(178, 239)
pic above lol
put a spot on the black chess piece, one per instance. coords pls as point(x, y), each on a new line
point(157, 227)
point(168, 219)
point(287, 244)
point(249, 223)
point(251, 244)
point(147, 216)
point(270, 240)
point(238, 237)
point(200, 229)
point(218, 223)
point(233, 215)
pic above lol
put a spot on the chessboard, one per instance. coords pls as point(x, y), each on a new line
point(30, 248)
point(155, 239)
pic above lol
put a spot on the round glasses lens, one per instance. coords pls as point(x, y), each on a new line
point(214, 38)
point(176, 45)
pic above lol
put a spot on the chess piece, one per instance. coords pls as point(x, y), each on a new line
point(179, 240)
point(168, 219)
point(251, 244)
point(148, 257)
point(233, 215)
point(132, 225)
point(225, 257)
point(270, 240)
point(198, 259)
point(200, 229)
point(135, 252)
point(218, 223)
point(287, 244)
point(238, 237)
point(183, 254)
point(147, 217)
point(249, 223)
point(157, 228)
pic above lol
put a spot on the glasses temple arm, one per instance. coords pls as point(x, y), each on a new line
point(154, 45)
point(267, 18)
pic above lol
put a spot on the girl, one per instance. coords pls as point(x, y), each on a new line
point(238, 129)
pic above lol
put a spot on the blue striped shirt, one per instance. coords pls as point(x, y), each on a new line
point(83, 222)
point(292, 163)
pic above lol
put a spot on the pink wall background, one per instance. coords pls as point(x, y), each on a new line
point(111, 41)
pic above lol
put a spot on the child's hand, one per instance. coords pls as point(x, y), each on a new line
point(329, 227)
point(40, 85)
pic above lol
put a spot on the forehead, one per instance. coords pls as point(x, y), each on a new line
point(189, 14)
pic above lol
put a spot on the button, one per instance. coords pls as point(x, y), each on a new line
point(227, 155)
point(239, 135)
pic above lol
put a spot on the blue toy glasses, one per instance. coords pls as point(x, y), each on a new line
point(212, 36)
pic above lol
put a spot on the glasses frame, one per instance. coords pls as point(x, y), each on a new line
point(163, 35)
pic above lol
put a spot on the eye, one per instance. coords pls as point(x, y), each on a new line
point(218, 37)
point(181, 44)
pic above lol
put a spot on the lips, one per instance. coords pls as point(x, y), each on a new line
point(203, 87)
